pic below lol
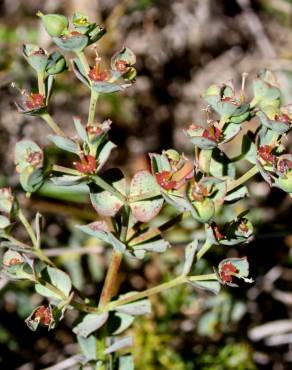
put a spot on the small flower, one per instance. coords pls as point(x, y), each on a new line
point(87, 165)
point(231, 268)
point(35, 101)
point(12, 258)
point(265, 152)
point(122, 66)
point(227, 272)
point(164, 180)
point(97, 129)
point(98, 75)
point(212, 133)
point(44, 315)
point(35, 159)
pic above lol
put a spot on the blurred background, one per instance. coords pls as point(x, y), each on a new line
point(182, 46)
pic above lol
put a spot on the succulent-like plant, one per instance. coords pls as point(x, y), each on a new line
point(196, 187)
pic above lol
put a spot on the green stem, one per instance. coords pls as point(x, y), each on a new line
point(28, 228)
point(41, 255)
point(110, 279)
point(68, 171)
point(18, 243)
point(158, 289)
point(206, 246)
point(41, 84)
point(92, 107)
point(125, 223)
point(53, 125)
point(83, 61)
point(243, 179)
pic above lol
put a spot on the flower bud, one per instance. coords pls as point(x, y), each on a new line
point(205, 209)
point(55, 24)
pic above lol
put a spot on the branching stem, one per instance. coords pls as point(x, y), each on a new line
point(243, 179)
point(158, 289)
point(110, 279)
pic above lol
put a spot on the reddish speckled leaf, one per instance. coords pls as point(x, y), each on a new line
point(105, 203)
point(143, 183)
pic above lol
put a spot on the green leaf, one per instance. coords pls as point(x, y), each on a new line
point(67, 180)
point(264, 91)
point(190, 253)
point(248, 148)
point(230, 131)
point(88, 346)
point(64, 143)
point(31, 180)
point(142, 183)
point(100, 231)
point(211, 286)
point(126, 362)
point(108, 87)
point(4, 222)
point(58, 279)
point(119, 322)
point(104, 202)
point(56, 64)
point(159, 163)
point(142, 307)
point(221, 165)
point(79, 72)
point(36, 57)
point(90, 323)
point(275, 125)
point(72, 43)
point(80, 129)
point(158, 246)
point(104, 154)
point(119, 344)
point(236, 194)
point(177, 201)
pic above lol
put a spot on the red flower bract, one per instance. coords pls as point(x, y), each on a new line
point(44, 314)
point(87, 164)
point(227, 272)
point(164, 180)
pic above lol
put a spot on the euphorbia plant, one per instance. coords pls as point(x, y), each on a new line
point(198, 187)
